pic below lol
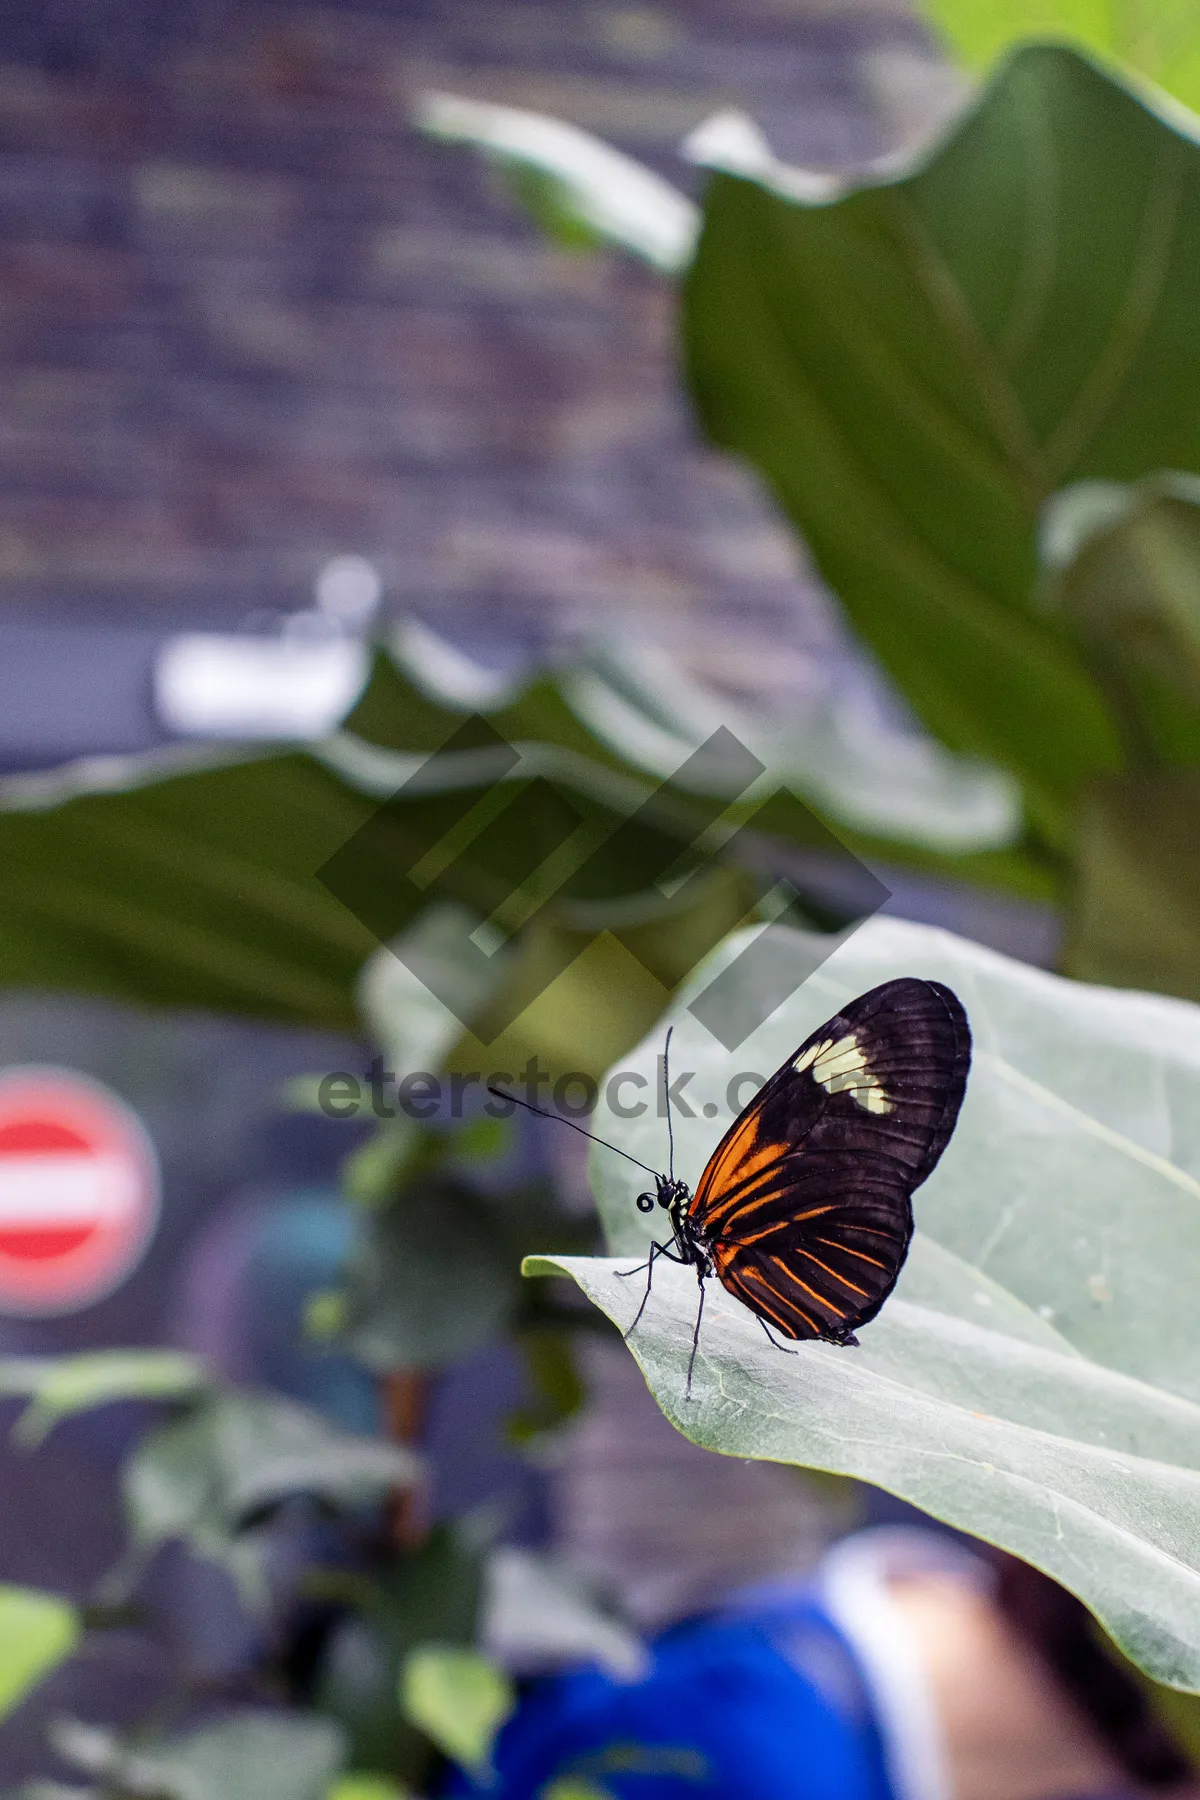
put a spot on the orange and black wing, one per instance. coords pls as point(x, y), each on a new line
point(806, 1203)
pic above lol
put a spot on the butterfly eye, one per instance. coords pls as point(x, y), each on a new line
point(645, 1202)
point(664, 1200)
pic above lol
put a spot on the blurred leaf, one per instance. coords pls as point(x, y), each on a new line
point(302, 1094)
point(918, 362)
point(246, 1756)
point(537, 1617)
point(458, 1699)
point(1123, 564)
point(325, 1314)
point(1158, 38)
point(1135, 917)
point(192, 879)
point(432, 1593)
point(1180, 1713)
point(404, 1150)
point(37, 1632)
point(437, 1272)
point(62, 1385)
point(203, 1478)
point(414, 1025)
point(367, 1787)
point(1035, 1379)
point(858, 768)
point(578, 188)
point(569, 1787)
point(1124, 567)
point(433, 1279)
point(558, 1390)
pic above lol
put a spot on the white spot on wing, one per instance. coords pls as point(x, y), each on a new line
point(842, 1068)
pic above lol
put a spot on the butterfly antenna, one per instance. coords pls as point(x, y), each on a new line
point(559, 1120)
point(667, 1096)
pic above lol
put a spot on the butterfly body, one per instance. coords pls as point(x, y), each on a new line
point(804, 1209)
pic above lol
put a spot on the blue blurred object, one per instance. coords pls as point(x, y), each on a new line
point(301, 1248)
point(759, 1702)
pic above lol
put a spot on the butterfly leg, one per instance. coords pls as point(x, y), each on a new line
point(655, 1250)
point(696, 1332)
point(786, 1348)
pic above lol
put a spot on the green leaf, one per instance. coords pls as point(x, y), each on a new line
point(1035, 1379)
point(557, 1390)
point(1135, 916)
point(569, 1787)
point(205, 1477)
point(458, 1699)
point(917, 362)
point(62, 1385)
point(855, 768)
point(437, 1272)
point(249, 1755)
point(434, 1278)
point(578, 188)
point(430, 1594)
point(367, 1787)
point(192, 878)
point(37, 1632)
point(1123, 565)
point(1158, 38)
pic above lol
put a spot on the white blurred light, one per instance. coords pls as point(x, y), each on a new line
point(348, 589)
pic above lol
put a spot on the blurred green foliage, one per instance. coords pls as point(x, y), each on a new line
point(1159, 39)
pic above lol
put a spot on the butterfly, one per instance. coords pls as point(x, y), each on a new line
point(804, 1209)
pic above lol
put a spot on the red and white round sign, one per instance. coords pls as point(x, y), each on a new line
point(79, 1191)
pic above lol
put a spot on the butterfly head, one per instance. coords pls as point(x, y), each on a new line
point(672, 1196)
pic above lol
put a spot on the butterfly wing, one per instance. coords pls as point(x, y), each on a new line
point(806, 1203)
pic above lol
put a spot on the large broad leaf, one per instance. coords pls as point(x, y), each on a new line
point(37, 1632)
point(1035, 1379)
point(194, 878)
point(918, 362)
point(626, 704)
point(1159, 38)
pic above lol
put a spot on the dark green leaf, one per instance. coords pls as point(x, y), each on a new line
point(435, 1278)
point(917, 362)
point(1124, 567)
point(1135, 917)
point(191, 878)
point(431, 1593)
